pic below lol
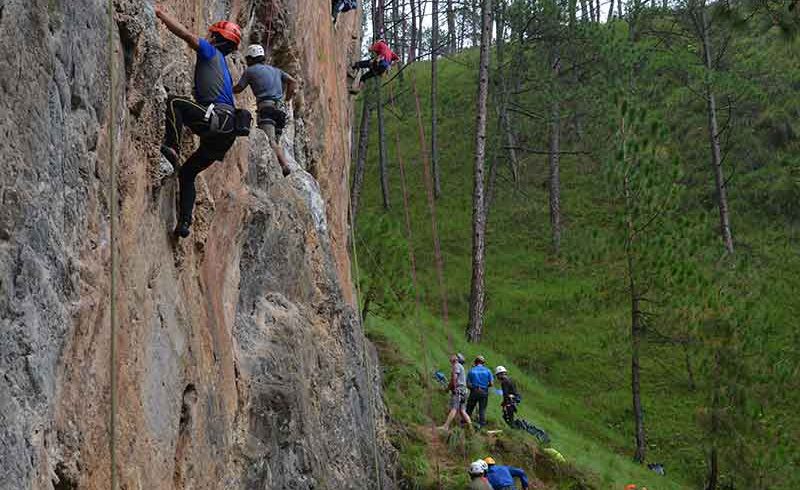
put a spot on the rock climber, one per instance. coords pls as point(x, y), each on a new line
point(479, 380)
point(267, 83)
point(380, 62)
point(341, 6)
point(458, 392)
point(510, 395)
point(477, 475)
point(210, 115)
point(502, 477)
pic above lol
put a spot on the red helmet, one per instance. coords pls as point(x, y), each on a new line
point(228, 30)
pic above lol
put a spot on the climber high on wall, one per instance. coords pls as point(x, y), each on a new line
point(211, 114)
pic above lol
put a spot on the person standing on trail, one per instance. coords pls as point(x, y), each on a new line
point(458, 392)
point(267, 83)
point(477, 474)
point(479, 380)
point(380, 62)
point(510, 395)
point(210, 114)
point(502, 477)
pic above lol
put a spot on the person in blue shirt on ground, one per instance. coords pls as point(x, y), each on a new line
point(267, 83)
point(502, 477)
point(210, 114)
point(479, 380)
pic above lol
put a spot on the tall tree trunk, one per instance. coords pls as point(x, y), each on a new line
point(713, 463)
point(555, 159)
point(361, 159)
point(421, 14)
point(437, 184)
point(713, 135)
point(383, 158)
point(620, 12)
point(636, 323)
point(451, 26)
point(412, 44)
point(584, 13)
point(395, 32)
point(476, 303)
point(636, 339)
point(610, 11)
point(505, 125)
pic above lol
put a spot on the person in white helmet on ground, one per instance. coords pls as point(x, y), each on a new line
point(510, 394)
point(267, 83)
point(477, 474)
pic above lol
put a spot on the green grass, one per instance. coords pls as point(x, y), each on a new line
point(561, 325)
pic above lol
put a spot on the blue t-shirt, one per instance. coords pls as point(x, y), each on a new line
point(479, 377)
point(503, 476)
point(213, 83)
point(265, 80)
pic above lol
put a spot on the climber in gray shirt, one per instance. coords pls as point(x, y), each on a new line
point(267, 84)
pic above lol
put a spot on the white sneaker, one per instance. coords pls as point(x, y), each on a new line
point(165, 169)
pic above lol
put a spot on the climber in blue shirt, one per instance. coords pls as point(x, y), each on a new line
point(210, 114)
point(502, 477)
point(479, 380)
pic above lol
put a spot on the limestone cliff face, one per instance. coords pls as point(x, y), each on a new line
point(241, 362)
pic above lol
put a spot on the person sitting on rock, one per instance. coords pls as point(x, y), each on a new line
point(382, 59)
point(209, 115)
point(267, 84)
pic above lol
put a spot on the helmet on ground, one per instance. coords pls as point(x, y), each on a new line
point(228, 30)
point(476, 468)
point(254, 51)
point(480, 360)
point(500, 370)
point(489, 460)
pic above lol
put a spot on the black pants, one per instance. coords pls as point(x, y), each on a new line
point(375, 69)
point(480, 398)
point(182, 111)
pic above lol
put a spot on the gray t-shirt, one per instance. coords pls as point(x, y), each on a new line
point(265, 80)
point(461, 377)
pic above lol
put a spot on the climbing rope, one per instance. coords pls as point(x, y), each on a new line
point(112, 198)
point(437, 248)
point(365, 358)
point(271, 6)
point(417, 296)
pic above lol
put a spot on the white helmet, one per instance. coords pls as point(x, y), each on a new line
point(499, 370)
point(483, 464)
point(254, 51)
point(477, 467)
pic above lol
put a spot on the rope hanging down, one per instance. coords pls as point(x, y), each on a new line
point(112, 199)
point(356, 280)
point(417, 295)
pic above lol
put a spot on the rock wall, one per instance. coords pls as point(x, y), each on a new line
point(240, 362)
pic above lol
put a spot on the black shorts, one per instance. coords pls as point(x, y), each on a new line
point(272, 116)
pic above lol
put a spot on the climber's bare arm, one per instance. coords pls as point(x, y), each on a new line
point(177, 28)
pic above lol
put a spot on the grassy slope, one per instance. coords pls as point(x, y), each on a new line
point(559, 325)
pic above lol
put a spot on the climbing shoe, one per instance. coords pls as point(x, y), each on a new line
point(170, 154)
point(182, 230)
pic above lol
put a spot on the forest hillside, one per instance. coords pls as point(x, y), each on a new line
point(643, 322)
